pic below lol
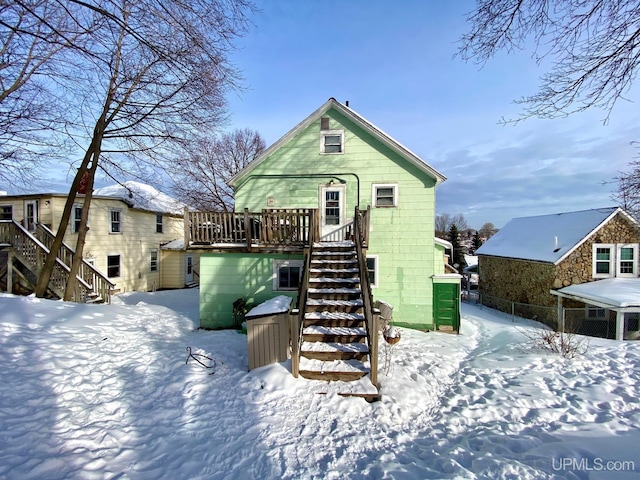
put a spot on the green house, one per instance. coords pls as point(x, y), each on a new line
point(313, 181)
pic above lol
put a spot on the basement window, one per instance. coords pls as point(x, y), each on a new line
point(286, 275)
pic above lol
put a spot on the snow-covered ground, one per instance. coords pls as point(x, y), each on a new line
point(105, 391)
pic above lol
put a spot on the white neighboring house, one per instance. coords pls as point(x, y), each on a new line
point(128, 226)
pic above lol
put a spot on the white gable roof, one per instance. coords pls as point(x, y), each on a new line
point(358, 120)
point(547, 238)
point(142, 197)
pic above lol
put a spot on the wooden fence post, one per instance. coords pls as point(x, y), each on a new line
point(294, 316)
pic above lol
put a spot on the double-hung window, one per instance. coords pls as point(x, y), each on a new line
point(77, 218)
point(116, 221)
point(113, 266)
point(153, 263)
point(615, 260)
point(158, 223)
point(627, 261)
point(372, 270)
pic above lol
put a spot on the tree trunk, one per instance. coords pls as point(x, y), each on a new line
point(72, 280)
point(45, 274)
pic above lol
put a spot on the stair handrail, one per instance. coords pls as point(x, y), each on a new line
point(39, 246)
point(100, 284)
point(361, 221)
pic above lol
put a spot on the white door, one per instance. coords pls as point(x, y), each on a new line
point(188, 274)
point(30, 214)
point(333, 218)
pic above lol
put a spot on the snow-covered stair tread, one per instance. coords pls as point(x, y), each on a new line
point(334, 270)
point(357, 347)
point(329, 291)
point(343, 243)
point(343, 366)
point(337, 262)
point(345, 254)
point(322, 330)
point(334, 280)
point(333, 316)
point(321, 302)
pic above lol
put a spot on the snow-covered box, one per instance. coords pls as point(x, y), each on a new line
point(268, 332)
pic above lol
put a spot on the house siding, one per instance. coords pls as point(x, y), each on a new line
point(134, 244)
point(223, 275)
point(402, 236)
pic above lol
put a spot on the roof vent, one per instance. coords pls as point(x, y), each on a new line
point(557, 248)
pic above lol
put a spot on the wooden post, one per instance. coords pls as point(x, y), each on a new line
point(10, 272)
point(186, 227)
point(294, 317)
point(373, 347)
point(247, 228)
point(619, 325)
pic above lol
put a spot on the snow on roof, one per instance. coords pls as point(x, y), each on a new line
point(615, 292)
point(545, 238)
point(143, 197)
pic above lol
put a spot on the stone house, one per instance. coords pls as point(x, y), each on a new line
point(530, 257)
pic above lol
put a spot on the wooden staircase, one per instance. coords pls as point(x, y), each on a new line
point(25, 256)
point(335, 337)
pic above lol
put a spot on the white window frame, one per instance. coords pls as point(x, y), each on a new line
point(277, 265)
point(331, 133)
point(111, 221)
point(154, 264)
point(159, 223)
point(612, 260)
point(619, 260)
point(119, 265)
point(375, 269)
point(374, 194)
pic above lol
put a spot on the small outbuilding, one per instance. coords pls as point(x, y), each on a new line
point(527, 264)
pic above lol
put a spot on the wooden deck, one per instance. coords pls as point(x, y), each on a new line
point(269, 230)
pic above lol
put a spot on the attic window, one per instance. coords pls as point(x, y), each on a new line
point(324, 123)
point(332, 141)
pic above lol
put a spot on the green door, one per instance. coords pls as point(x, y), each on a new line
point(446, 305)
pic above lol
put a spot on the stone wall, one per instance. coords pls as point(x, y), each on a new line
point(578, 266)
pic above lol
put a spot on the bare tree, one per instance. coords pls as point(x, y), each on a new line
point(594, 46)
point(208, 164)
point(444, 222)
point(151, 73)
point(32, 35)
point(487, 230)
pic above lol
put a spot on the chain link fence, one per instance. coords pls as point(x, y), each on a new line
point(589, 321)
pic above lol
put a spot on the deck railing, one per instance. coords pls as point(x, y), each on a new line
point(93, 277)
point(361, 239)
point(271, 227)
point(33, 253)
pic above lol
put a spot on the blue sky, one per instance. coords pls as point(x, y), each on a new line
point(394, 62)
